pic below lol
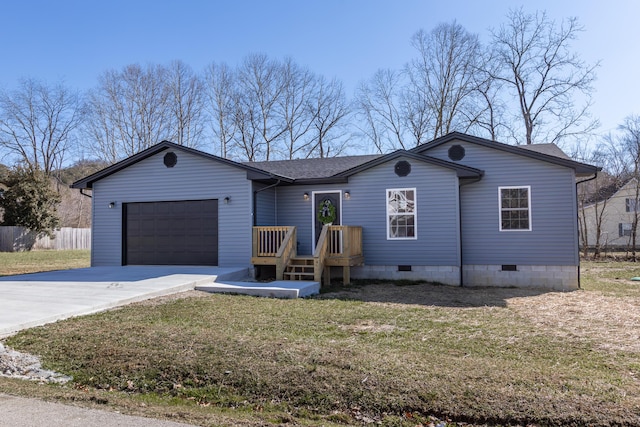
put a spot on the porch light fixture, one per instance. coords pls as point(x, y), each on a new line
point(305, 196)
point(112, 205)
point(347, 195)
point(227, 200)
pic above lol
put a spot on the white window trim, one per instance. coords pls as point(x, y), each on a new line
point(511, 187)
point(415, 213)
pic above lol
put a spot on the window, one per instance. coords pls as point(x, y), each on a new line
point(401, 213)
point(632, 205)
point(515, 208)
point(624, 229)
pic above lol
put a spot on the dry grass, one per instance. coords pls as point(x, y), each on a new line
point(36, 261)
point(381, 353)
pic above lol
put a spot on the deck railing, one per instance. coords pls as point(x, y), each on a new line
point(344, 241)
point(338, 245)
point(267, 240)
point(274, 243)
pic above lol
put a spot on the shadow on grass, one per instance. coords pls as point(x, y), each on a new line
point(426, 294)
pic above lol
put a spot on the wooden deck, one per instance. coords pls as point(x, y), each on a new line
point(338, 245)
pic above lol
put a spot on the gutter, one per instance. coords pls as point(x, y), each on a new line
point(255, 198)
point(595, 175)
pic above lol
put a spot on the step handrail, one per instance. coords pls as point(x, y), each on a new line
point(320, 254)
point(287, 250)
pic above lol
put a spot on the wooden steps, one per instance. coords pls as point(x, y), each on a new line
point(299, 268)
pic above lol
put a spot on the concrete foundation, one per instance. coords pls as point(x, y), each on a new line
point(556, 277)
point(564, 278)
point(445, 274)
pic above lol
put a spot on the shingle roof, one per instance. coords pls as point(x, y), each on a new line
point(312, 168)
point(549, 149)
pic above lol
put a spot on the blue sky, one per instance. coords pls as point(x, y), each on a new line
point(78, 40)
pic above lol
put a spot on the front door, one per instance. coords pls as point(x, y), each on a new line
point(326, 210)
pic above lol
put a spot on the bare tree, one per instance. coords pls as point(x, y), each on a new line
point(329, 111)
point(417, 114)
point(37, 123)
point(444, 74)
point(222, 105)
point(186, 101)
point(299, 87)
point(258, 118)
point(379, 108)
point(545, 75)
point(129, 111)
point(435, 94)
point(490, 116)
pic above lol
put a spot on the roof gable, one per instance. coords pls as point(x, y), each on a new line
point(549, 153)
point(461, 170)
point(87, 182)
point(610, 191)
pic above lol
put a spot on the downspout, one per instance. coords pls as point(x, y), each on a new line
point(85, 194)
point(255, 199)
point(595, 175)
point(460, 185)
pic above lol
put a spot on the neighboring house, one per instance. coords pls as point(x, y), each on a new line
point(617, 207)
point(460, 210)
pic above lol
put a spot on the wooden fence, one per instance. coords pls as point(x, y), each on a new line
point(14, 239)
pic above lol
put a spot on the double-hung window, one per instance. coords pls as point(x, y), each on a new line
point(515, 208)
point(401, 213)
point(624, 229)
point(632, 205)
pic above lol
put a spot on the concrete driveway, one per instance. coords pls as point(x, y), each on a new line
point(36, 299)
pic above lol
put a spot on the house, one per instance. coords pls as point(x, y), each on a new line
point(616, 208)
point(459, 210)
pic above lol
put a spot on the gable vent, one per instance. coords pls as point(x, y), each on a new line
point(170, 160)
point(403, 168)
point(456, 152)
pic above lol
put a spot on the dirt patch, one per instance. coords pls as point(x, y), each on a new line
point(611, 322)
point(429, 295)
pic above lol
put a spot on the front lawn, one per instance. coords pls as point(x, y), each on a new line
point(36, 261)
point(375, 353)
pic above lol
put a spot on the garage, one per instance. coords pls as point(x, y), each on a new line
point(171, 233)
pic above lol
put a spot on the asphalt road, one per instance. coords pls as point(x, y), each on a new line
point(23, 412)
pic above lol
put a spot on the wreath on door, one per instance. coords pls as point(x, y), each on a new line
point(326, 212)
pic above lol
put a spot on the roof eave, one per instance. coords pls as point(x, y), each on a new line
point(87, 182)
point(581, 169)
point(328, 180)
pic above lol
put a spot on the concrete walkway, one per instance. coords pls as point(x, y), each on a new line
point(36, 299)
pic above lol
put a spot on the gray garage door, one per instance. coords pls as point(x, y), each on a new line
point(171, 233)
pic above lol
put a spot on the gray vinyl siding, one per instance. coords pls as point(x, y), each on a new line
point(437, 214)
point(294, 210)
point(265, 208)
point(193, 178)
point(553, 239)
